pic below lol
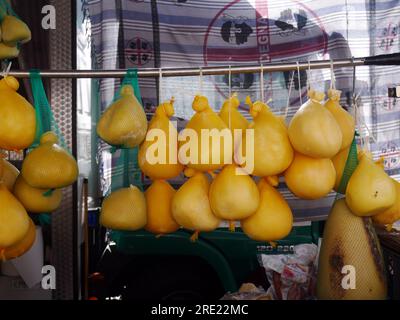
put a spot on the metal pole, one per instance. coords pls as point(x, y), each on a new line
point(184, 72)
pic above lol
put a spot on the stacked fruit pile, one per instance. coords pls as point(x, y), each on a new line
point(45, 170)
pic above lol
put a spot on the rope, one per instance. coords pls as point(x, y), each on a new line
point(262, 82)
point(333, 79)
point(298, 78)
point(290, 91)
point(230, 95)
point(201, 80)
point(160, 85)
point(308, 77)
point(6, 70)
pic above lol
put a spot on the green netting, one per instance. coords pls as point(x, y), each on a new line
point(6, 9)
point(126, 171)
point(351, 164)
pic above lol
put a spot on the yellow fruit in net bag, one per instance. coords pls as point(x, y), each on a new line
point(17, 117)
point(158, 154)
point(391, 215)
point(313, 130)
point(7, 52)
point(231, 116)
point(351, 265)
point(191, 206)
point(22, 246)
point(124, 123)
point(233, 194)
point(49, 166)
point(159, 212)
point(36, 200)
point(14, 220)
point(214, 148)
point(273, 219)
point(10, 174)
point(370, 190)
point(14, 31)
point(124, 209)
point(272, 150)
point(310, 178)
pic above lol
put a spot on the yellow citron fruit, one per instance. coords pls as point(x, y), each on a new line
point(370, 190)
point(124, 209)
point(7, 52)
point(351, 265)
point(313, 130)
point(10, 174)
point(22, 246)
point(391, 215)
point(272, 150)
point(191, 206)
point(158, 154)
point(219, 147)
point(17, 117)
point(159, 213)
point(233, 194)
point(49, 166)
point(310, 178)
point(273, 219)
point(14, 220)
point(36, 200)
point(124, 123)
point(344, 119)
point(14, 31)
point(231, 116)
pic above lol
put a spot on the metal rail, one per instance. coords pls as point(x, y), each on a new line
point(392, 59)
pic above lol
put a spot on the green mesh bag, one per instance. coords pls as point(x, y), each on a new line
point(126, 170)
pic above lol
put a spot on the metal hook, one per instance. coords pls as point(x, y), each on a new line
point(6, 69)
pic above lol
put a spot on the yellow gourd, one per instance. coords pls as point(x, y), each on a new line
point(344, 119)
point(7, 52)
point(124, 123)
point(310, 178)
point(22, 246)
point(124, 209)
point(313, 130)
point(231, 116)
point(36, 200)
point(369, 190)
point(17, 117)
point(14, 220)
point(49, 166)
point(159, 213)
point(191, 206)
point(14, 31)
point(233, 194)
point(163, 149)
point(10, 174)
point(205, 118)
point(272, 150)
point(392, 214)
point(350, 251)
point(273, 219)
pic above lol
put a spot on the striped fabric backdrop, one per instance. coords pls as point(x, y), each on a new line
point(195, 33)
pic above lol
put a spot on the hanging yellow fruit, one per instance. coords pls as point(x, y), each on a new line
point(17, 117)
point(231, 116)
point(310, 178)
point(191, 206)
point(370, 190)
point(164, 150)
point(49, 166)
point(22, 246)
point(344, 119)
point(214, 148)
point(233, 194)
point(313, 130)
point(159, 212)
point(14, 31)
point(36, 200)
point(14, 220)
point(392, 214)
point(124, 209)
point(10, 174)
point(7, 52)
point(273, 219)
point(124, 123)
point(272, 150)
point(351, 265)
